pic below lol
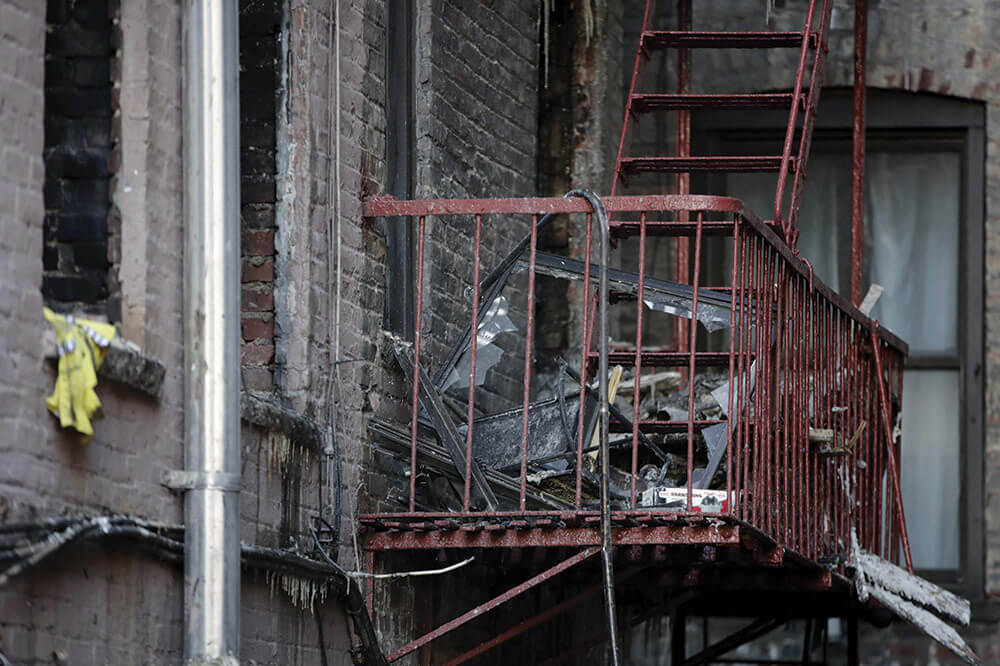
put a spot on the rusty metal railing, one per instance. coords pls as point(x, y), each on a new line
point(809, 395)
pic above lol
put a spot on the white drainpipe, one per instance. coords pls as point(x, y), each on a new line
point(211, 333)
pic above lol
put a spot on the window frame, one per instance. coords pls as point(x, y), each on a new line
point(905, 118)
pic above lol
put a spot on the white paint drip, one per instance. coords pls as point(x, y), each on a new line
point(303, 592)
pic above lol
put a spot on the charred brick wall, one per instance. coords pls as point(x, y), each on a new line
point(260, 43)
point(78, 141)
point(477, 135)
point(109, 601)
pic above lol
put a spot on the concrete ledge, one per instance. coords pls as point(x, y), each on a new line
point(271, 416)
point(125, 363)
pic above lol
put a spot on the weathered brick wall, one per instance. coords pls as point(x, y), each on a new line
point(476, 133)
point(110, 602)
point(67, 609)
point(260, 59)
point(78, 49)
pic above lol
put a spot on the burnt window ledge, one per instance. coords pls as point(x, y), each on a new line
point(126, 363)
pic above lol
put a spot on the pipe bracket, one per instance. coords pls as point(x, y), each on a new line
point(181, 479)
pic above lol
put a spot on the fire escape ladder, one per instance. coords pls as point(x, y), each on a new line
point(801, 103)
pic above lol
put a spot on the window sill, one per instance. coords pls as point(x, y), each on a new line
point(125, 363)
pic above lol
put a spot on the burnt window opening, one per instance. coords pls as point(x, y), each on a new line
point(260, 57)
point(400, 167)
point(77, 156)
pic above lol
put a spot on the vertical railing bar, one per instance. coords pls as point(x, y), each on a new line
point(893, 459)
point(813, 401)
point(584, 351)
point(809, 374)
point(692, 338)
point(797, 414)
point(528, 353)
point(775, 449)
point(810, 406)
point(770, 369)
point(803, 435)
point(830, 345)
point(733, 388)
point(418, 315)
point(877, 458)
point(861, 453)
point(874, 454)
point(819, 400)
point(899, 444)
point(473, 347)
point(843, 326)
point(784, 441)
point(841, 394)
point(638, 357)
point(751, 309)
point(894, 528)
point(774, 441)
point(837, 420)
point(794, 495)
point(760, 417)
point(739, 384)
point(862, 443)
point(793, 116)
point(682, 180)
point(854, 518)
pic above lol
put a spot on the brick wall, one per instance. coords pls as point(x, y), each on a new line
point(260, 43)
point(110, 602)
point(78, 141)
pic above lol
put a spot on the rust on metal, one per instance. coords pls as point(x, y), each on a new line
point(799, 361)
point(564, 537)
point(858, 148)
point(491, 604)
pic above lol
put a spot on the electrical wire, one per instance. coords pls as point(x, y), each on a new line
point(333, 464)
point(167, 542)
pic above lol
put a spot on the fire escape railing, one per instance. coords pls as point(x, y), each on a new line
point(809, 403)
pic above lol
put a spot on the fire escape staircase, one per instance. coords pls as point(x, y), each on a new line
point(801, 103)
point(417, 530)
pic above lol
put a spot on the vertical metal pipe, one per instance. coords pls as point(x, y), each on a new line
point(678, 639)
point(858, 157)
point(736, 327)
point(692, 347)
point(473, 348)
point(852, 641)
point(638, 357)
point(211, 332)
point(417, 338)
point(528, 358)
point(682, 180)
point(892, 458)
point(786, 153)
point(602, 345)
point(584, 351)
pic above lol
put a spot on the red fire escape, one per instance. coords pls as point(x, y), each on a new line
point(803, 456)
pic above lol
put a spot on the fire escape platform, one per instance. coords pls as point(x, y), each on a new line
point(674, 552)
point(638, 535)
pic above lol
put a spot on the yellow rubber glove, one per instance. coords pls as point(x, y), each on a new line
point(83, 345)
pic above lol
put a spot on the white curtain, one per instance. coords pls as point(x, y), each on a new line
point(912, 217)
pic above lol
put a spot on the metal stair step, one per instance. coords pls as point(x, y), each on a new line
point(684, 39)
point(666, 359)
point(647, 102)
point(633, 165)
